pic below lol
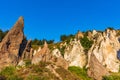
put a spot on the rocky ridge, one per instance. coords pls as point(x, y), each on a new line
point(102, 57)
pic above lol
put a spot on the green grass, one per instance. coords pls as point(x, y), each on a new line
point(27, 62)
point(113, 76)
point(10, 73)
point(81, 72)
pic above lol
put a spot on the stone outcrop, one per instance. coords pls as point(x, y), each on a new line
point(58, 59)
point(13, 45)
point(45, 55)
point(105, 49)
point(28, 51)
point(96, 69)
point(79, 35)
point(75, 54)
point(10, 45)
point(42, 55)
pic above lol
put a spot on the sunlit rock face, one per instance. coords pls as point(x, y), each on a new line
point(42, 55)
point(13, 45)
point(75, 54)
point(56, 53)
point(106, 49)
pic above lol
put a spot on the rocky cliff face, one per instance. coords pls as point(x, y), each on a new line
point(96, 70)
point(75, 54)
point(103, 57)
point(105, 50)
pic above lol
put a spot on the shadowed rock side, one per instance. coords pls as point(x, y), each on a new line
point(96, 70)
point(11, 45)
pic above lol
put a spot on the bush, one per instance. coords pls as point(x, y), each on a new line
point(10, 73)
point(33, 77)
point(27, 63)
point(86, 43)
point(41, 42)
point(2, 34)
point(62, 50)
point(67, 37)
point(112, 77)
point(82, 73)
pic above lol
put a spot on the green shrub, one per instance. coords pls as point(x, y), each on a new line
point(82, 73)
point(2, 34)
point(14, 77)
point(112, 77)
point(86, 43)
point(33, 77)
point(62, 50)
point(10, 73)
point(27, 63)
point(67, 37)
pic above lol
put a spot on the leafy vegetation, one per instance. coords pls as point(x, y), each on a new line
point(2, 34)
point(62, 50)
point(111, 28)
point(112, 77)
point(33, 77)
point(27, 63)
point(86, 43)
point(81, 72)
point(41, 42)
point(67, 75)
point(67, 37)
point(10, 73)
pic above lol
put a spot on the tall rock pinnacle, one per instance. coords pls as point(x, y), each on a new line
point(11, 44)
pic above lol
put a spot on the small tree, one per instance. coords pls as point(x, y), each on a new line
point(86, 43)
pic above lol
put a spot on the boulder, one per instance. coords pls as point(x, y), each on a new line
point(96, 69)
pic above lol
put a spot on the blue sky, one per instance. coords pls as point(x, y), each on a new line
point(50, 18)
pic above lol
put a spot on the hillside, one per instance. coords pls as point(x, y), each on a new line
point(91, 55)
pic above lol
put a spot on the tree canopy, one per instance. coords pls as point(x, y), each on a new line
point(2, 34)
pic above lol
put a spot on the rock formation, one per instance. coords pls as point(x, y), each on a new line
point(28, 51)
point(11, 47)
point(105, 49)
point(79, 35)
point(55, 57)
point(42, 55)
point(102, 57)
point(75, 54)
point(96, 69)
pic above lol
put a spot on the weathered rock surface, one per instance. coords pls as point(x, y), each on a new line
point(10, 45)
point(105, 49)
point(79, 35)
point(42, 55)
point(28, 51)
point(46, 56)
point(75, 54)
point(58, 59)
point(96, 69)
point(13, 45)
